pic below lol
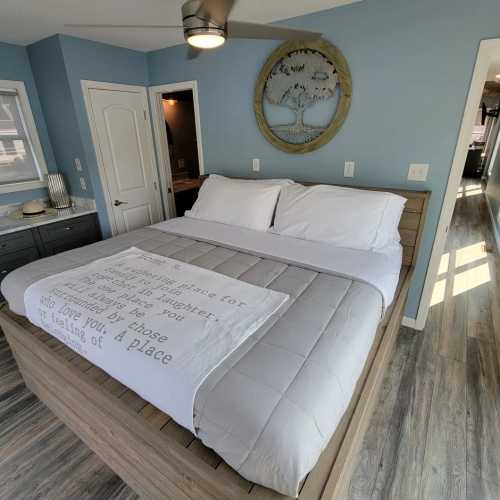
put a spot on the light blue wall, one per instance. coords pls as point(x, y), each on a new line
point(411, 64)
point(87, 60)
point(51, 79)
point(15, 65)
point(59, 64)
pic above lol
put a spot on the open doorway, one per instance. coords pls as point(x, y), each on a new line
point(177, 131)
point(463, 228)
point(180, 126)
point(485, 132)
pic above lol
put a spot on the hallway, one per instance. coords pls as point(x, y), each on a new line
point(436, 433)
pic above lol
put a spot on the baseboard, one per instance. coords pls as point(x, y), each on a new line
point(494, 229)
point(409, 322)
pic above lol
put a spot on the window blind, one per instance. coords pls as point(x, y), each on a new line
point(17, 159)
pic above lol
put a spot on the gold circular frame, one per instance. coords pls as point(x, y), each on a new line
point(345, 84)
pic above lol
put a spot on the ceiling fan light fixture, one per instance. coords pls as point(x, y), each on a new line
point(206, 40)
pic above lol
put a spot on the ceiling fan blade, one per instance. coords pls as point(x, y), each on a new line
point(236, 29)
point(216, 10)
point(122, 26)
point(193, 52)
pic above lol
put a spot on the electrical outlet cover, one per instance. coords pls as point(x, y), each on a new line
point(418, 172)
point(349, 168)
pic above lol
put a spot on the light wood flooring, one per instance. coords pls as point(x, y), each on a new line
point(434, 435)
point(436, 432)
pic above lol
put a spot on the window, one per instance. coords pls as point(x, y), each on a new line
point(22, 165)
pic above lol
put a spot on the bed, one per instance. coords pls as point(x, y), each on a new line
point(159, 458)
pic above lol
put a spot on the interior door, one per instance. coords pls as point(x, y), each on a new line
point(123, 130)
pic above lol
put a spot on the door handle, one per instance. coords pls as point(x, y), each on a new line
point(117, 203)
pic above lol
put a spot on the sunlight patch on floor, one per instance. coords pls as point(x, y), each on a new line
point(438, 292)
point(451, 261)
point(473, 192)
point(470, 253)
point(444, 263)
point(472, 278)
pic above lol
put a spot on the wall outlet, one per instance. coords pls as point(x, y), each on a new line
point(349, 168)
point(418, 172)
point(83, 184)
point(256, 165)
point(78, 165)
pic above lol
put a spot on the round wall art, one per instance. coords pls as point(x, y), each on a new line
point(303, 95)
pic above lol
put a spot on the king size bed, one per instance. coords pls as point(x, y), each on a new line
point(280, 414)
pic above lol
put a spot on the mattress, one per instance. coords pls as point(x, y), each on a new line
point(272, 406)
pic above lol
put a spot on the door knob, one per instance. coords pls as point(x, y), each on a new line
point(117, 203)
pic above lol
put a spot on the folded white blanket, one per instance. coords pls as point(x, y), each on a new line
point(158, 325)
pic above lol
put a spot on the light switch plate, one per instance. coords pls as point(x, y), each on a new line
point(418, 172)
point(256, 165)
point(78, 165)
point(349, 169)
point(83, 184)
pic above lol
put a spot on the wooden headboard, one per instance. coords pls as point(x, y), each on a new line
point(412, 220)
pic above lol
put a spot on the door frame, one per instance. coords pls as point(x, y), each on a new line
point(162, 151)
point(87, 86)
point(487, 50)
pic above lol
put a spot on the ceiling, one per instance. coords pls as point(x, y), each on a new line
point(26, 21)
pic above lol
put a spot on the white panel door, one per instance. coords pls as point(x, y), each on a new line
point(123, 131)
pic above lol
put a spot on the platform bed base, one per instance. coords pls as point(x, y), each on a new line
point(149, 451)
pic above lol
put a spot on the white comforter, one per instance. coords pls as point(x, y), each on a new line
point(158, 325)
point(379, 269)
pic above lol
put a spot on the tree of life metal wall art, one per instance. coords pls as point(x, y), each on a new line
point(303, 95)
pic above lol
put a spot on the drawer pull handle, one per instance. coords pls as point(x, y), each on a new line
point(68, 228)
point(4, 271)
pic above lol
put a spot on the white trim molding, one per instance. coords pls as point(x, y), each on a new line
point(488, 49)
point(163, 156)
point(87, 86)
point(32, 136)
point(409, 322)
point(494, 226)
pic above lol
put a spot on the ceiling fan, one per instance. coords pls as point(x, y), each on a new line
point(206, 26)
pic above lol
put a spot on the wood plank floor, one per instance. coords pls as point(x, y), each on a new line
point(39, 456)
point(435, 433)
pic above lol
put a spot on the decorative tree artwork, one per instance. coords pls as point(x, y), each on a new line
point(302, 76)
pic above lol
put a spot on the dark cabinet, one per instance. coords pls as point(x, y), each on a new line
point(27, 245)
point(68, 234)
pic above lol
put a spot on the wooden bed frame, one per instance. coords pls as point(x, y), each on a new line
point(160, 459)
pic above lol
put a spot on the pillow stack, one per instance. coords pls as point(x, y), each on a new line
point(244, 203)
point(344, 217)
point(339, 216)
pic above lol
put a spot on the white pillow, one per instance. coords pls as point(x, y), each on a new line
point(242, 203)
point(274, 182)
point(345, 217)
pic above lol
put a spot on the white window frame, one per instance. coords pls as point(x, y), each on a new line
point(33, 139)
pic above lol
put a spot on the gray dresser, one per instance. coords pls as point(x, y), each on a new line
point(26, 245)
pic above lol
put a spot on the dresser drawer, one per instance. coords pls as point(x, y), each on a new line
point(77, 229)
point(13, 242)
point(12, 261)
point(63, 245)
